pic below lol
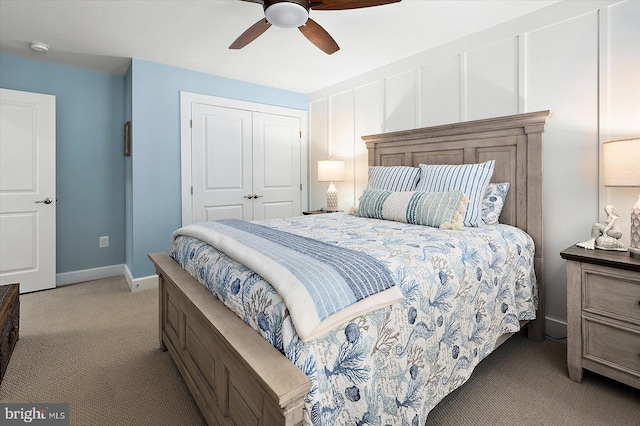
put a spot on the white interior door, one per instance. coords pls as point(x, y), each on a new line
point(27, 190)
point(221, 154)
point(276, 166)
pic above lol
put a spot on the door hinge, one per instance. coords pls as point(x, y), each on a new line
point(300, 134)
point(300, 187)
point(192, 190)
point(191, 124)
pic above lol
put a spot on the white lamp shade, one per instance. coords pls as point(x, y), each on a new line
point(331, 170)
point(621, 160)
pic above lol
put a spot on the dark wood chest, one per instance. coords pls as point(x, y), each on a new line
point(9, 323)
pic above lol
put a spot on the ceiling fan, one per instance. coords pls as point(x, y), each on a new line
point(295, 13)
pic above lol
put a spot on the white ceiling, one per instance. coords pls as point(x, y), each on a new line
point(103, 35)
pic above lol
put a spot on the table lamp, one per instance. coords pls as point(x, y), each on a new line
point(331, 171)
point(621, 160)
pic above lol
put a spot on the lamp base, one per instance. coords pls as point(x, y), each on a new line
point(332, 198)
point(634, 243)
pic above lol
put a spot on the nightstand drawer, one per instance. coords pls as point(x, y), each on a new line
point(611, 292)
point(614, 345)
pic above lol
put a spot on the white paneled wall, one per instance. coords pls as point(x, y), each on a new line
point(561, 74)
point(620, 93)
point(440, 92)
point(369, 120)
point(341, 135)
point(401, 101)
point(579, 59)
point(318, 150)
point(491, 76)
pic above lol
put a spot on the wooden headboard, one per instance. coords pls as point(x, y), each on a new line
point(514, 142)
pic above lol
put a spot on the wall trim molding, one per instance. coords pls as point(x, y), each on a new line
point(66, 278)
point(142, 283)
point(135, 284)
point(555, 329)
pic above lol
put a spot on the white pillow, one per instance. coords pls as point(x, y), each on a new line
point(393, 178)
point(471, 179)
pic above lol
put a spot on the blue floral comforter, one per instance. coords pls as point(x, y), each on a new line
point(462, 290)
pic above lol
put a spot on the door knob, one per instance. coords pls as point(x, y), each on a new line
point(249, 196)
point(46, 201)
point(257, 196)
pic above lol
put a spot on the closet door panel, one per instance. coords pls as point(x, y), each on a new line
point(221, 163)
point(276, 166)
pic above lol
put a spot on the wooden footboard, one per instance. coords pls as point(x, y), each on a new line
point(233, 373)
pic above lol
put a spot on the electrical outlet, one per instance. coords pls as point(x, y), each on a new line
point(103, 242)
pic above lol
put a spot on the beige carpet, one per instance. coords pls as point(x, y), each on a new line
point(526, 383)
point(94, 345)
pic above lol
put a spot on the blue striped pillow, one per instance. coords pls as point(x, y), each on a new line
point(438, 209)
point(471, 179)
point(393, 178)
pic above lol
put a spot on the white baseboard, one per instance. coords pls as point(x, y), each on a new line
point(138, 284)
point(73, 277)
point(555, 329)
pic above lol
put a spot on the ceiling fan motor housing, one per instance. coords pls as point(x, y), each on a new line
point(286, 13)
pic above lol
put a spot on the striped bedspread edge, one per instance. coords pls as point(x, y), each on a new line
point(319, 297)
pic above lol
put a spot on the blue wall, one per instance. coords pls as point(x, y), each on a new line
point(90, 167)
point(135, 200)
point(156, 171)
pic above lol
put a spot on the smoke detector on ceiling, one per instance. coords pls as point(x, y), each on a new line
point(38, 47)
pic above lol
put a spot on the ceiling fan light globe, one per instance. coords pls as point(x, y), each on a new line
point(286, 15)
point(38, 47)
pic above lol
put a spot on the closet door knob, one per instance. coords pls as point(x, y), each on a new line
point(250, 196)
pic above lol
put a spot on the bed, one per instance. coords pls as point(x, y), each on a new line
point(238, 377)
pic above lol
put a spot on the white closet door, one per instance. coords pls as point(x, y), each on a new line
point(221, 156)
point(276, 166)
point(27, 190)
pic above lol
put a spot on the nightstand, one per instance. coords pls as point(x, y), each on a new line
point(319, 212)
point(603, 314)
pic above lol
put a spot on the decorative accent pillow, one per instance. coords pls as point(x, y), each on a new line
point(471, 179)
point(438, 209)
point(493, 202)
point(393, 178)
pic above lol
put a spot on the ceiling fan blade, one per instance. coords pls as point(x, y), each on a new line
point(251, 34)
point(347, 4)
point(255, 1)
point(319, 36)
